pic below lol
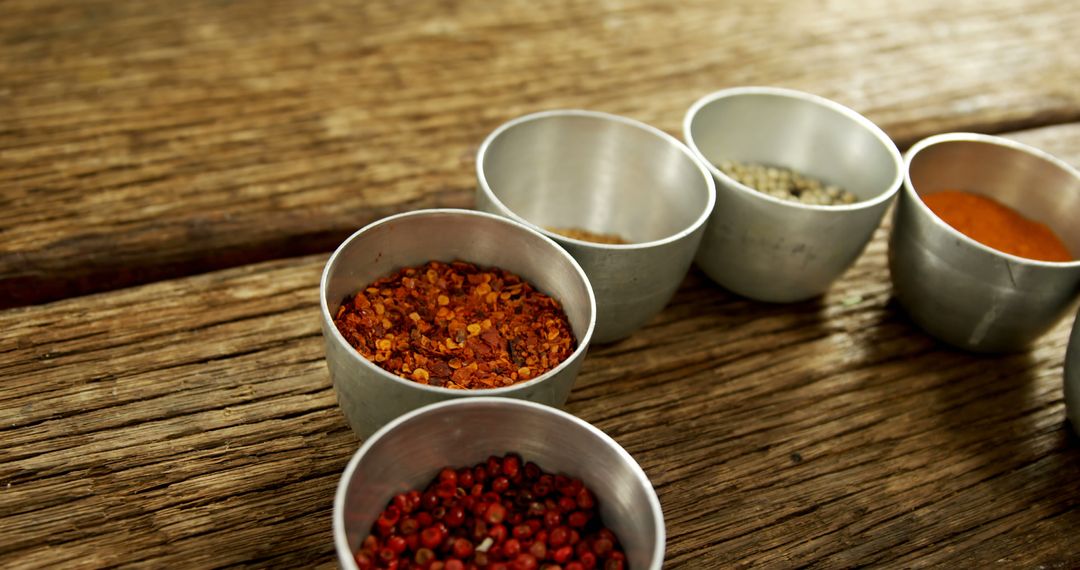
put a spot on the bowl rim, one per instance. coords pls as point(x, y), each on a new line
point(809, 98)
point(485, 186)
point(978, 138)
point(344, 552)
point(336, 336)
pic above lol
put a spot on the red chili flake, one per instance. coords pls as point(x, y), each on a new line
point(457, 326)
point(468, 527)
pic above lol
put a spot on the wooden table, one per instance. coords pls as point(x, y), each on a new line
point(173, 176)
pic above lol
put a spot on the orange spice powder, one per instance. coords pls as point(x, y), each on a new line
point(995, 225)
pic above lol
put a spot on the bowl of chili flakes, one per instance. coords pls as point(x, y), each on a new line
point(433, 305)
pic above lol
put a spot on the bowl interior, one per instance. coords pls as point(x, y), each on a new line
point(408, 454)
point(447, 235)
point(799, 132)
point(596, 172)
point(1033, 185)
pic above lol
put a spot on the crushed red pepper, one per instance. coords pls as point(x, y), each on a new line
point(457, 326)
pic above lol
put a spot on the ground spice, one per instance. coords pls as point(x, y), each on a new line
point(585, 235)
point(457, 326)
point(502, 513)
point(786, 184)
point(995, 225)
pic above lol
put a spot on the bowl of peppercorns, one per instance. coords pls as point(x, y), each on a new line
point(434, 305)
point(802, 183)
point(495, 483)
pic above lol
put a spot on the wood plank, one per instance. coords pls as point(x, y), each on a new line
point(145, 140)
point(191, 422)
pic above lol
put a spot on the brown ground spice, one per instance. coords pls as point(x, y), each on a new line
point(458, 326)
point(585, 235)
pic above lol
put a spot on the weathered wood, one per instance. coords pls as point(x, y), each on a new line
point(147, 140)
point(191, 423)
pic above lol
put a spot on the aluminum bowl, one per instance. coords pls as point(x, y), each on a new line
point(960, 290)
point(605, 174)
point(370, 396)
point(1072, 377)
point(770, 249)
point(408, 452)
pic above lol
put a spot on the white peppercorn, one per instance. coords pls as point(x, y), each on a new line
point(786, 184)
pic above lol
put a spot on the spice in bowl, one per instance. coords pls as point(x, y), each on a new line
point(457, 326)
point(995, 225)
point(585, 235)
point(500, 514)
point(786, 184)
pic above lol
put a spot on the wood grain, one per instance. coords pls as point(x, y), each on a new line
point(146, 140)
point(191, 422)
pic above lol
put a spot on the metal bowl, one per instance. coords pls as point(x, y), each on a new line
point(605, 174)
point(370, 396)
point(1072, 377)
point(770, 249)
point(408, 452)
point(960, 290)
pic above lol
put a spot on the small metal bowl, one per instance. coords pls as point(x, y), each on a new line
point(604, 174)
point(770, 249)
point(1072, 377)
point(408, 452)
point(370, 396)
point(960, 290)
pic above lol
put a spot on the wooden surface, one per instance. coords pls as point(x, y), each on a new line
point(146, 140)
point(190, 421)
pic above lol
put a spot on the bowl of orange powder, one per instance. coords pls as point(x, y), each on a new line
point(434, 305)
point(983, 251)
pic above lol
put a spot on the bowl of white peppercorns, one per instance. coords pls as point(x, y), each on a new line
point(802, 182)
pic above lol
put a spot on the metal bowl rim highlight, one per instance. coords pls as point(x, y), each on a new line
point(357, 358)
point(340, 539)
point(862, 121)
point(909, 189)
point(710, 185)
